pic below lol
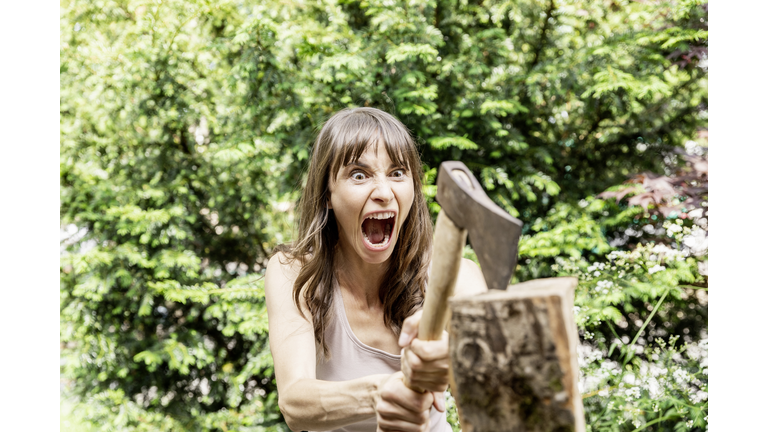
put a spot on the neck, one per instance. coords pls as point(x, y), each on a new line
point(361, 279)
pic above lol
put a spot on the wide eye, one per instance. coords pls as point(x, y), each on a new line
point(398, 173)
point(357, 175)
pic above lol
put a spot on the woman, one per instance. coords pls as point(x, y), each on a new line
point(344, 299)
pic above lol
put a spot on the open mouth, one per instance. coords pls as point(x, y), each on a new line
point(377, 229)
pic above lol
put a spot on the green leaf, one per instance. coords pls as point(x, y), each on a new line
point(452, 141)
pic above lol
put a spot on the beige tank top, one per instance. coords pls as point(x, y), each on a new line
point(352, 359)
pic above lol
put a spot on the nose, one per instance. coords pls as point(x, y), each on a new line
point(382, 192)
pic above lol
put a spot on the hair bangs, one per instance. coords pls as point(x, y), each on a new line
point(359, 130)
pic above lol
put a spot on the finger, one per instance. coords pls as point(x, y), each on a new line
point(429, 351)
point(439, 402)
point(391, 416)
point(403, 398)
point(392, 425)
point(410, 329)
point(432, 376)
point(405, 368)
point(412, 365)
point(391, 412)
point(407, 371)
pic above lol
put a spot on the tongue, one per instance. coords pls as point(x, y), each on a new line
point(374, 229)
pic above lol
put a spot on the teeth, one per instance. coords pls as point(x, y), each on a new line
point(382, 244)
point(383, 215)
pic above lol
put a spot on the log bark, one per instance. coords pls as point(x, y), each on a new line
point(513, 359)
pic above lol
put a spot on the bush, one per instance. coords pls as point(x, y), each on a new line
point(185, 132)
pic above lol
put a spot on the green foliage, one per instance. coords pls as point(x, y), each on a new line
point(451, 412)
point(632, 305)
point(668, 392)
point(167, 201)
point(186, 129)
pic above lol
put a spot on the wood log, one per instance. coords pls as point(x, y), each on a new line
point(513, 359)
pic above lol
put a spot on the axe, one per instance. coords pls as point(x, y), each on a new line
point(513, 349)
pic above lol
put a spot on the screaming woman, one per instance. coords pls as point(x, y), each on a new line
point(344, 299)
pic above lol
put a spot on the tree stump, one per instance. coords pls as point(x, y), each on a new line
point(513, 359)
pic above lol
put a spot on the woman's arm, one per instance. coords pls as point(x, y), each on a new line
point(470, 280)
point(311, 404)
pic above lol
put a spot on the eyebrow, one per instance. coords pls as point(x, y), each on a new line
point(366, 166)
point(359, 164)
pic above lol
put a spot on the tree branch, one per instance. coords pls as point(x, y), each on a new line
point(543, 36)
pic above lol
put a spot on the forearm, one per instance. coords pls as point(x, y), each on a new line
point(311, 404)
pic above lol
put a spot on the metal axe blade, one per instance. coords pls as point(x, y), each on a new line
point(494, 233)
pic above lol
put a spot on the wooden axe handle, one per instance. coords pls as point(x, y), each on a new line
point(446, 259)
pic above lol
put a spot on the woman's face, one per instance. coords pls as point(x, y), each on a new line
point(371, 199)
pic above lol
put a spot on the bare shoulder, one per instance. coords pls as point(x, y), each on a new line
point(470, 280)
point(280, 277)
point(467, 263)
point(281, 267)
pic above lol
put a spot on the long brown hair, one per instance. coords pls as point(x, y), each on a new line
point(341, 141)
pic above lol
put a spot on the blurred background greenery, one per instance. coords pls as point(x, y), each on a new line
point(185, 132)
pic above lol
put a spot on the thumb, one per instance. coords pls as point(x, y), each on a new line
point(439, 401)
point(410, 329)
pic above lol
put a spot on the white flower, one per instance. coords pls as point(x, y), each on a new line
point(632, 393)
point(656, 268)
point(702, 222)
point(604, 286)
point(654, 388)
point(693, 147)
point(614, 255)
point(673, 229)
point(700, 396)
point(650, 229)
point(697, 241)
point(681, 376)
point(596, 266)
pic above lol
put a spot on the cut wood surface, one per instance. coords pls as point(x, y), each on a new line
point(513, 359)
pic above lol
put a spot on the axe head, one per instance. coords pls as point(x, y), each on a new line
point(494, 233)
